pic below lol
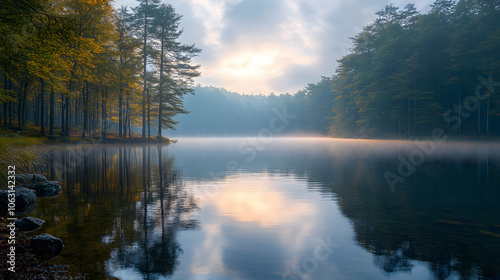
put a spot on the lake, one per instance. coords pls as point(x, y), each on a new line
point(277, 208)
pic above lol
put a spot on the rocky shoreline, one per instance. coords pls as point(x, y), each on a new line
point(31, 252)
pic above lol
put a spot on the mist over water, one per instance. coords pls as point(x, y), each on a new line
point(279, 208)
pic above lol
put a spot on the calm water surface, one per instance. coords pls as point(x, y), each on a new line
point(284, 208)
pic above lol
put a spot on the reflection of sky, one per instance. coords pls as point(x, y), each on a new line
point(255, 207)
point(265, 216)
point(257, 226)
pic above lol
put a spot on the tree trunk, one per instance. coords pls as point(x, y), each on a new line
point(488, 116)
point(415, 116)
point(19, 106)
point(51, 120)
point(144, 57)
point(10, 112)
point(149, 113)
point(409, 116)
point(6, 87)
point(104, 115)
point(63, 114)
point(76, 114)
point(35, 112)
point(120, 111)
point(68, 119)
point(479, 119)
point(160, 93)
point(85, 109)
point(459, 113)
point(128, 117)
point(25, 98)
point(42, 115)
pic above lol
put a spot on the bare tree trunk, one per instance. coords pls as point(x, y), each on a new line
point(144, 73)
point(42, 115)
point(68, 119)
point(479, 119)
point(160, 93)
point(104, 111)
point(149, 113)
point(120, 111)
point(51, 118)
point(85, 109)
point(415, 116)
point(488, 116)
point(5, 107)
point(63, 114)
point(459, 113)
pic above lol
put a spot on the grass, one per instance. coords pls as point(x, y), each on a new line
point(21, 152)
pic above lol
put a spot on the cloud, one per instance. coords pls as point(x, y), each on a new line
point(263, 46)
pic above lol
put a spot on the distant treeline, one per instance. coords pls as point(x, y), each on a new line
point(409, 73)
point(82, 67)
point(217, 111)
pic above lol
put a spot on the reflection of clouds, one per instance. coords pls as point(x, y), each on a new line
point(208, 258)
point(257, 201)
point(270, 203)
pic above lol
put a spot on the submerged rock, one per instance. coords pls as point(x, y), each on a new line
point(29, 224)
point(46, 246)
point(30, 179)
point(25, 201)
point(47, 189)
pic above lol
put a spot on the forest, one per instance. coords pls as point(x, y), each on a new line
point(80, 67)
point(409, 73)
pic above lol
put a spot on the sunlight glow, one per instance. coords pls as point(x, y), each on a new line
point(250, 64)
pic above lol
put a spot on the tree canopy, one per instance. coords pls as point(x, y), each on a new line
point(93, 60)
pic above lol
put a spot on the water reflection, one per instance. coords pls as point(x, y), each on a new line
point(443, 218)
point(121, 210)
point(128, 211)
point(446, 214)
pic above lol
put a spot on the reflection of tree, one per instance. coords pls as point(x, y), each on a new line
point(164, 209)
point(121, 209)
point(445, 214)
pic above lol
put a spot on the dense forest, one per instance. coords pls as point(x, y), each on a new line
point(80, 67)
point(409, 73)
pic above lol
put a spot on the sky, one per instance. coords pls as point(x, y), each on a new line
point(279, 46)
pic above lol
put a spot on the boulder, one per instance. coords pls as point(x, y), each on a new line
point(46, 246)
point(25, 201)
point(46, 189)
point(28, 224)
point(26, 178)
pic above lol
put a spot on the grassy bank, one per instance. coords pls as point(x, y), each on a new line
point(21, 152)
point(74, 138)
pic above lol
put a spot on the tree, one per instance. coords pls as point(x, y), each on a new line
point(143, 26)
point(176, 71)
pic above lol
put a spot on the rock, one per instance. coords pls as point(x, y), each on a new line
point(25, 201)
point(28, 224)
point(46, 189)
point(46, 246)
point(30, 179)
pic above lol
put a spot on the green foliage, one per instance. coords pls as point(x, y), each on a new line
point(406, 69)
